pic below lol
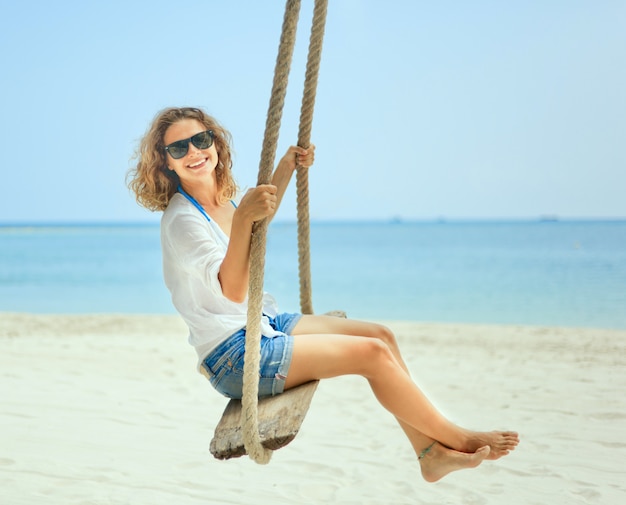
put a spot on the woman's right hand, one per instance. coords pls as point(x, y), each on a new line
point(258, 203)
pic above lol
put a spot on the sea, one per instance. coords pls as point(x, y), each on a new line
point(542, 272)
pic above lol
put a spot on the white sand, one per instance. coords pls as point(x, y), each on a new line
point(110, 410)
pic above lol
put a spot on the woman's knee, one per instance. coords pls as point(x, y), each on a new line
point(376, 355)
point(384, 334)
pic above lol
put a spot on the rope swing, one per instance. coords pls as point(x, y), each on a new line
point(249, 414)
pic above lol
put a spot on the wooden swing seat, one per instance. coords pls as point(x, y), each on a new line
point(280, 418)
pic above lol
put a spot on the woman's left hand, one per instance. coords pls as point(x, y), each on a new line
point(299, 157)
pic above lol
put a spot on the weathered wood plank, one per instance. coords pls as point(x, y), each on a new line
point(280, 418)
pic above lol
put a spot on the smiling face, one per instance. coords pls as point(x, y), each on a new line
point(198, 164)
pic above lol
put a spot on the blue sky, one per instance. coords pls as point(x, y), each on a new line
point(481, 109)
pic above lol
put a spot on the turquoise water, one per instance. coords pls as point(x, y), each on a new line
point(539, 273)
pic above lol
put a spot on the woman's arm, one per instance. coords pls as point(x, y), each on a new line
point(257, 204)
point(293, 158)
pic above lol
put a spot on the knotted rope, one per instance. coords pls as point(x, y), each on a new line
point(250, 418)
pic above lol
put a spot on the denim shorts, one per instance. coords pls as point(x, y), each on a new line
point(224, 365)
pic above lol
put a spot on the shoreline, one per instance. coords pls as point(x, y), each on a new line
point(107, 321)
point(109, 409)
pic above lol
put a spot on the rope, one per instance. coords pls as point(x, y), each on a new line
point(304, 140)
point(249, 414)
point(252, 359)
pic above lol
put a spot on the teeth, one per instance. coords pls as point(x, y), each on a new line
point(197, 163)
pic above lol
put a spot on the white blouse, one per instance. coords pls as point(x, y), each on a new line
point(194, 247)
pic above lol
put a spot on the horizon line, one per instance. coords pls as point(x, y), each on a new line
point(391, 220)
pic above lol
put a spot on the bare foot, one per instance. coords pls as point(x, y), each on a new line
point(440, 461)
point(500, 442)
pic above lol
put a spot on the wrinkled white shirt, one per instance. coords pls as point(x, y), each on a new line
point(193, 250)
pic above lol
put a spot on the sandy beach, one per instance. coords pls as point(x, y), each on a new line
point(108, 409)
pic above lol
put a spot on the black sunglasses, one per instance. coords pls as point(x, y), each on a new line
point(202, 140)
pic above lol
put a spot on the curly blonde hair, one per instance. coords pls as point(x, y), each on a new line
point(153, 183)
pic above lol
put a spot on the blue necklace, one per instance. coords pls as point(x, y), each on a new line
point(193, 201)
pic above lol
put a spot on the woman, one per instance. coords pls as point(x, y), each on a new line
point(184, 170)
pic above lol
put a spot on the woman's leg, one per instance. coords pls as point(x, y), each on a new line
point(328, 346)
point(312, 325)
